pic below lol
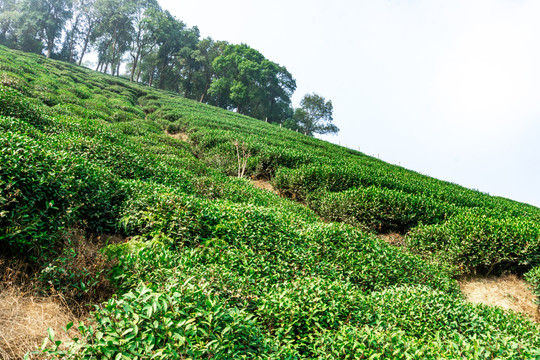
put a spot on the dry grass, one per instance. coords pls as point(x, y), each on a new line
point(395, 239)
point(265, 185)
point(508, 292)
point(24, 320)
point(25, 316)
point(180, 136)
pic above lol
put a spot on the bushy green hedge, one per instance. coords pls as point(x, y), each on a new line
point(15, 104)
point(476, 242)
point(276, 244)
point(43, 192)
point(181, 321)
point(381, 210)
point(533, 278)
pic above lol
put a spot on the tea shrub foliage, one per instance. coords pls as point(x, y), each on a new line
point(212, 267)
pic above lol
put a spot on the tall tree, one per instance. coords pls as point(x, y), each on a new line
point(314, 116)
point(172, 37)
point(87, 24)
point(76, 29)
point(251, 84)
point(145, 27)
point(9, 16)
point(113, 32)
point(208, 51)
point(43, 21)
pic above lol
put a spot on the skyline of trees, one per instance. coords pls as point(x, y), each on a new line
point(140, 40)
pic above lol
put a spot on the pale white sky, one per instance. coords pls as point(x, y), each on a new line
point(449, 88)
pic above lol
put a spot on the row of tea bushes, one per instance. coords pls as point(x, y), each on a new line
point(476, 242)
point(379, 209)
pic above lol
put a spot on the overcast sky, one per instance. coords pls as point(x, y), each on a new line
point(450, 89)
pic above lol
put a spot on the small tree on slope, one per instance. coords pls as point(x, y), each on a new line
point(314, 116)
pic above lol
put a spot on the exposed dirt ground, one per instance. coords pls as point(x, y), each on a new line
point(392, 239)
point(180, 136)
point(508, 292)
point(263, 184)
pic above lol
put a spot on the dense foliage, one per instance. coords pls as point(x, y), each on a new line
point(216, 268)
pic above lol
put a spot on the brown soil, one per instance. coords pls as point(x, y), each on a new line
point(395, 239)
point(24, 320)
point(263, 184)
point(180, 136)
point(508, 292)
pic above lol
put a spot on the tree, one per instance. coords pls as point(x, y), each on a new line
point(207, 51)
point(42, 21)
point(9, 16)
point(313, 117)
point(251, 84)
point(144, 41)
point(113, 32)
point(77, 30)
point(87, 24)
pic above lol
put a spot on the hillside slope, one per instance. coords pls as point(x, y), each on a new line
point(217, 268)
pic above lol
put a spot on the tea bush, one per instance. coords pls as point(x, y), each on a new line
point(381, 210)
point(478, 242)
point(215, 267)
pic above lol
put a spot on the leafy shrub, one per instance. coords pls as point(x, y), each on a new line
point(533, 278)
point(14, 81)
point(14, 104)
point(42, 193)
point(175, 127)
point(34, 204)
point(182, 320)
point(381, 210)
point(82, 92)
point(19, 126)
point(476, 242)
point(299, 310)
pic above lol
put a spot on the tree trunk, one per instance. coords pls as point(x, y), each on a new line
point(161, 78)
point(86, 41)
point(134, 66)
point(203, 95)
point(49, 50)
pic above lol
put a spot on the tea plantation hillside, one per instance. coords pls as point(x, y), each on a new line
point(213, 267)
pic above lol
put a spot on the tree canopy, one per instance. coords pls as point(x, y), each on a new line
point(251, 84)
point(314, 116)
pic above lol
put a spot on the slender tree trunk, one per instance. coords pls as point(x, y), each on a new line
point(205, 91)
point(86, 41)
point(186, 91)
point(134, 66)
point(72, 38)
point(161, 77)
point(49, 50)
